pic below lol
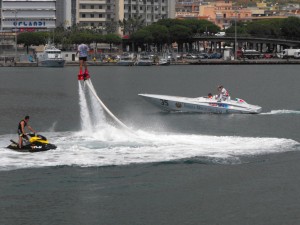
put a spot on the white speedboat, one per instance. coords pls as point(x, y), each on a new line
point(50, 57)
point(163, 62)
point(126, 60)
point(200, 104)
point(144, 60)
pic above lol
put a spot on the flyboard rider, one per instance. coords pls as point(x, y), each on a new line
point(21, 130)
point(83, 53)
point(223, 94)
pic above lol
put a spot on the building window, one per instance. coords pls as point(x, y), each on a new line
point(92, 24)
point(108, 7)
point(83, 6)
point(83, 15)
point(100, 15)
point(100, 6)
point(92, 15)
point(92, 7)
point(108, 16)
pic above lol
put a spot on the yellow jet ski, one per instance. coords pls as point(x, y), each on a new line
point(34, 143)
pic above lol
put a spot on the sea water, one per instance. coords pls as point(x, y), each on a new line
point(155, 136)
point(170, 168)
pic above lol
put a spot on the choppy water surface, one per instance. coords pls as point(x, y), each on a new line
point(72, 119)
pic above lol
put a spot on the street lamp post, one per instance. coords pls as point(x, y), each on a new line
point(235, 37)
point(16, 37)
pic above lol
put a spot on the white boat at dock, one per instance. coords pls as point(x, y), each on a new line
point(50, 57)
point(144, 60)
point(126, 59)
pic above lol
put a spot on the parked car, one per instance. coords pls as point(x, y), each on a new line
point(220, 34)
point(252, 54)
point(203, 56)
point(215, 55)
point(267, 56)
point(191, 56)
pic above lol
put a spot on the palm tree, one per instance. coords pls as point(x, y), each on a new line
point(131, 25)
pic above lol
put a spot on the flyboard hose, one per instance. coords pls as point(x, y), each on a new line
point(88, 83)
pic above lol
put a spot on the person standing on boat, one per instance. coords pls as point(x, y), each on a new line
point(83, 53)
point(21, 130)
point(223, 93)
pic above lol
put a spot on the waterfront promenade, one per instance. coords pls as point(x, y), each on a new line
point(178, 62)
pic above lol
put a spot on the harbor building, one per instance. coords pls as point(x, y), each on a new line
point(96, 14)
point(65, 13)
point(28, 14)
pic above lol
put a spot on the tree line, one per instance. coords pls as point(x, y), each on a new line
point(288, 28)
point(161, 33)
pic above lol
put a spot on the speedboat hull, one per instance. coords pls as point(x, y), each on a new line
point(144, 63)
point(52, 63)
point(200, 104)
point(125, 63)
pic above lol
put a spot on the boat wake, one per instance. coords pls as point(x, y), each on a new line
point(281, 112)
point(101, 144)
point(111, 146)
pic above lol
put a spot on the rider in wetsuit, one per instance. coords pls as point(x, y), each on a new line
point(21, 130)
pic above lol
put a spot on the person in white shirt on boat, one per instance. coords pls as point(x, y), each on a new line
point(223, 94)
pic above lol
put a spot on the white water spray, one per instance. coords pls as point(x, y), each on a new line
point(97, 114)
point(113, 117)
point(86, 124)
point(281, 112)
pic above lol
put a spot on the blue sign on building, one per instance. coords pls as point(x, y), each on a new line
point(30, 24)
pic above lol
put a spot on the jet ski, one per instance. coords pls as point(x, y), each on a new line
point(201, 104)
point(35, 143)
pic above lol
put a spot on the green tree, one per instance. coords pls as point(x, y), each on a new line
point(111, 27)
point(159, 33)
point(112, 39)
point(142, 37)
point(129, 26)
point(265, 28)
point(290, 27)
point(32, 38)
point(82, 37)
point(180, 34)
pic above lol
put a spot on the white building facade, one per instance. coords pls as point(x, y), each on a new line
point(149, 10)
point(28, 14)
point(95, 13)
point(65, 13)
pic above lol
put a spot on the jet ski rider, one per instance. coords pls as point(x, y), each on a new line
point(223, 93)
point(21, 130)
